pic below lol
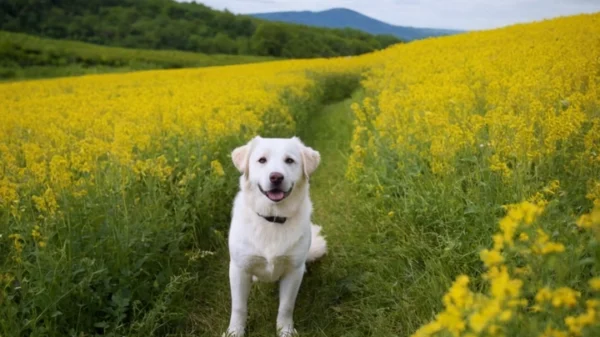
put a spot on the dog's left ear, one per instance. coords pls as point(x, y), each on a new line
point(310, 158)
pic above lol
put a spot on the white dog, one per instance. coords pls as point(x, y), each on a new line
point(271, 235)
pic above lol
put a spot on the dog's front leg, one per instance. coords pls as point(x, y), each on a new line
point(288, 291)
point(240, 283)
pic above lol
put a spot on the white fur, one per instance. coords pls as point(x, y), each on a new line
point(267, 251)
point(318, 245)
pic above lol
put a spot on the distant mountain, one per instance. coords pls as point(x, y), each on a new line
point(346, 18)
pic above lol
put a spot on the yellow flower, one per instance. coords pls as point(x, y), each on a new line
point(544, 294)
point(591, 219)
point(46, 203)
point(561, 297)
point(498, 242)
point(18, 246)
point(491, 258)
point(595, 283)
point(35, 232)
point(566, 297)
point(543, 245)
point(576, 324)
point(505, 316)
point(217, 168)
point(17, 242)
point(508, 225)
point(552, 247)
point(592, 304)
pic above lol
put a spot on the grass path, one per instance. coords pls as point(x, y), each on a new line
point(357, 289)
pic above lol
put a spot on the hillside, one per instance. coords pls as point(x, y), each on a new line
point(346, 18)
point(26, 56)
point(167, 24)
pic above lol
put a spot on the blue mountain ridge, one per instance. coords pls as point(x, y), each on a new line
point(347, 18)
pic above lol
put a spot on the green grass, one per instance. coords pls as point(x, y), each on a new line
point(24, 56)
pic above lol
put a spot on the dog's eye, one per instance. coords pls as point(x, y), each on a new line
point(289, 161)
point(262, 160)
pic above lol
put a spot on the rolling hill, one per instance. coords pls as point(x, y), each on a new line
point(171, 25)
point(346, 18)
point(25, 56)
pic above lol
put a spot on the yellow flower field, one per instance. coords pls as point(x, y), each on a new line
point(517, 93)
point(110, 165)
point(497, 117)
point(54, 134)
point(475, 160)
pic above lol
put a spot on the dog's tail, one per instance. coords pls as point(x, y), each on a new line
point(318, 245)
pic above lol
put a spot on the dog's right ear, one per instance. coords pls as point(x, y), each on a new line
point(241, 156)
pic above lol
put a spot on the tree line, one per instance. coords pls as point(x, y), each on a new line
point(166, 24)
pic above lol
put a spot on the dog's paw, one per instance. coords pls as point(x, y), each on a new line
point(234, 332)
point(287, 332)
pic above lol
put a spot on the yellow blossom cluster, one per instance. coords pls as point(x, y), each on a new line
point(477, 314)
point(467, 313)
point(591, 221)
point(53, 132)
point(594, 192)
point(483, 118)
point(38, 237)
point(103, 176)
point(514, 95)
point(563, 296)
point(17, 241)
point(590, 317)
point(81, 137)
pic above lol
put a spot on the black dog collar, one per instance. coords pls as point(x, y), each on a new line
point(276, 219)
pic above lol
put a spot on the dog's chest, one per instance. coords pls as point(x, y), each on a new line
point(270, 255)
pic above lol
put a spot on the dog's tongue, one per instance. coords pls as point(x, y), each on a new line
point(275, 195)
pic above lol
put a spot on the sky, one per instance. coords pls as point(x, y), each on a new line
point(456, 14)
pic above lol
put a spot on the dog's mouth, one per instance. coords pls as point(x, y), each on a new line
point(276, 194)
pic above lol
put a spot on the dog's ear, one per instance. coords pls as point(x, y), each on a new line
point(310, 158)
point(241, 155)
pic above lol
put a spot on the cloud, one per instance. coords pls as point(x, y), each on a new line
point(459, 14)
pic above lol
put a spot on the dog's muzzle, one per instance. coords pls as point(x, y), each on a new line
point(276, 194)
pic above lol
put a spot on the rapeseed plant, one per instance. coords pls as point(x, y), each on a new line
point(112, 186)
point(454, 127)
point(519, 106)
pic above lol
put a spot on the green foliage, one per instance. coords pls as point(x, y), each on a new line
point(26, 56)
point(167, 24)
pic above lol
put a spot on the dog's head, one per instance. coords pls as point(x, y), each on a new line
point(275, 166)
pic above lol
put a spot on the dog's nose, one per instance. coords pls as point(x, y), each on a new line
point(276, 178)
